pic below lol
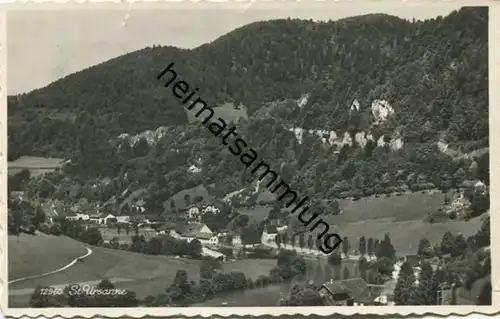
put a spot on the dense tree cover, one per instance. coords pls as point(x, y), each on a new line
point(307, 295)
point(23, 216)
point(385, 248)
point(404, 285)
point(433, 73)
point(462, 263)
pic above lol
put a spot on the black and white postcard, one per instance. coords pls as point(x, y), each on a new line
point(249, 158)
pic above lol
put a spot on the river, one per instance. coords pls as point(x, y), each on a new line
point(318, 270)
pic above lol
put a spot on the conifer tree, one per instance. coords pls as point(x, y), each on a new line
point(362, 245)
point(425, 293)
point(404, 285)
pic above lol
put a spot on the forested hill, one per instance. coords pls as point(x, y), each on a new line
point(434, 75)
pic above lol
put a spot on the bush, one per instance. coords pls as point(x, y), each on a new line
point(55, 230)
point(31, 230)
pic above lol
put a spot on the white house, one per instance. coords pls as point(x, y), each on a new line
point(192, 231)
point(269, 234)
point(95, 218)
point(106, 218)
point(123, 219)
point(236, 241)
point(214, 240)
point(281, 228)
point(78, 216)
point(211, 209)
point(193, 212)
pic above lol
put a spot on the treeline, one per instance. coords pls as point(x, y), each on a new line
point(456, 262)
point(159, 245)
point(213, 282)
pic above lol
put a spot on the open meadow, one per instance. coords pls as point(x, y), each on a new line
point(401, 216)
point(406, 207)
point(36, 165)
point(143, 274)
point(226, 111)
point(32, 255)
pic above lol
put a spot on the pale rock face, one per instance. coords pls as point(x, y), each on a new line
point(354, 105)
point(123, 136)
point(332, 137)
point(396, 144)
point(381, 142)
point(299, 132)
point(152, 137)
point(381, 110)
point(194, 169)
point(346, 140)
point(303, 100)
point(362, 138)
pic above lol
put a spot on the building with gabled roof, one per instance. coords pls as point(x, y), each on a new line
point(193, 231)
point(350, 292)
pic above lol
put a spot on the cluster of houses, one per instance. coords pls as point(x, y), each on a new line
point(192, 214)
point(357, 292)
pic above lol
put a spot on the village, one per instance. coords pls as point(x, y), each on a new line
point(189, 226)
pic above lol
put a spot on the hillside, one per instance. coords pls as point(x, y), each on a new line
point(386, 93)
point(26, 248)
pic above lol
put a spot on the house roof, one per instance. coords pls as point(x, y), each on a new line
point(356, 288)
point(413, 259)
point(271, 229)
point(167, 226)
point(104, 215)
point(137, 218)
point(192, 230)
point(70, 213)
point(154, 217)
point(386, 259)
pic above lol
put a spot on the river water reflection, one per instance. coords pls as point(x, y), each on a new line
point(318, 270)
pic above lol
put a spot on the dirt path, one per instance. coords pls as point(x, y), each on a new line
point(89, 252)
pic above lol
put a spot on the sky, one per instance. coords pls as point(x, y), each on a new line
point(46, 44)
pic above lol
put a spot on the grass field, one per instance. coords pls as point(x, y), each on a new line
point(405, 234)
point(36, 165)
point(180, 202)
point(401, 216)
point(32, 255)
point(255, 214)
point(143, 274)
point(414, 206)
point(227, 112)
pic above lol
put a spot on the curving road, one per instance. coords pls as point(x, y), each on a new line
point(89, 252)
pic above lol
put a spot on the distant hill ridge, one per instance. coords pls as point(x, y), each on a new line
point(370, 78)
